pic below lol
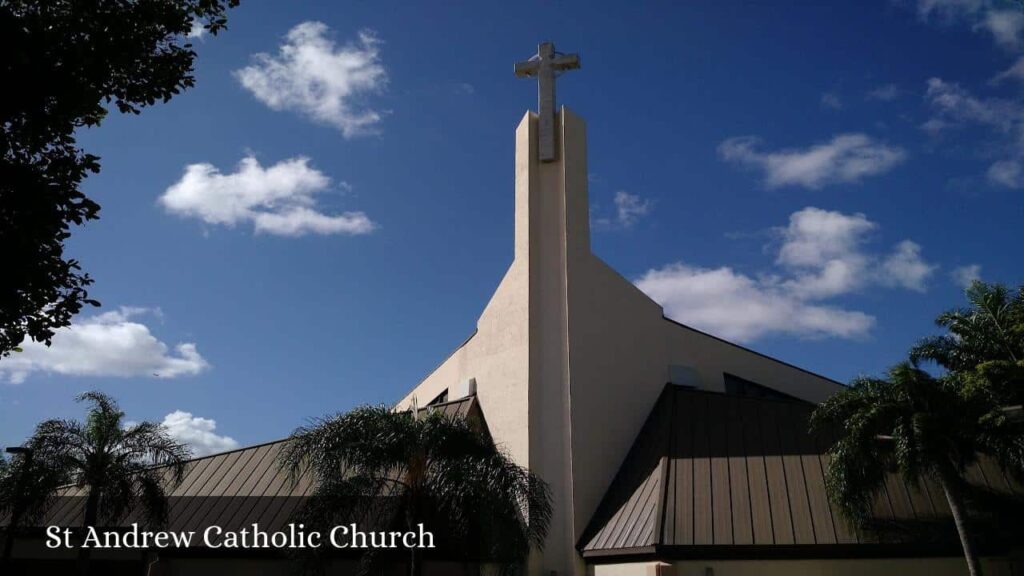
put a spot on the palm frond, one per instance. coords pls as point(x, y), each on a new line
point(386, 467)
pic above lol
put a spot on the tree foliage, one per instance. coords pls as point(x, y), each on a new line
point(910, 423)
point(920, 427)
point(926, 427)
point(984, 341)
point(122, 467)
point(27, 485)
point(65, 62)
point(397, 469)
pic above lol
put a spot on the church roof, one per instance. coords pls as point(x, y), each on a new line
point(230, 489)
point(713, 475)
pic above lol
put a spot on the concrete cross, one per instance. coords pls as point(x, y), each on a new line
point(544, 65)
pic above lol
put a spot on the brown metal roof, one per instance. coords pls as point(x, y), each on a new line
point(710, 470)
point(230, 489)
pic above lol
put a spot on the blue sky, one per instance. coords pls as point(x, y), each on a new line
point(315, 228)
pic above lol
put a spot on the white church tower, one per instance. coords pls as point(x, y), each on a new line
point(568, 358)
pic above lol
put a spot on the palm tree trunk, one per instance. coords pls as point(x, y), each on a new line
point(411, 513)
point(415, 562)
point(91, 512)
point(415, 566)
point(956, 505)
point(9, 537)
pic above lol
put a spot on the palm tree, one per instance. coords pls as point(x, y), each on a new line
point(918, 426)
point(123, 467)
point(27, 488)
point(985, 339)
point(389, 469)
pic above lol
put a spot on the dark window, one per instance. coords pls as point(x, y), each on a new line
point(440, 399)
point(737, 386)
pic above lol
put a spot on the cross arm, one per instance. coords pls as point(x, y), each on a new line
point(528, 68)
point(566, 62)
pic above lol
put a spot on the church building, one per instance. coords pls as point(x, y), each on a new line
point(668, 451)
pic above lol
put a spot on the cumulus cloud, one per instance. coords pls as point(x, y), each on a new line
point(964, 276)
point(197, 30)
point(905, 267)
point(112, 344)
point(629, 209)
point(954, 107)
point(1008, 173)
point(949, 9)
point(1014, 72)
point(820, 255)
point(277, 199)
point(884, 93)
point(846, 158)
point(738, 307)
point(198, 433)
point(1005, 26)
point(831, 100)
point(314, 77)
point(822, 251)
point(825, 255)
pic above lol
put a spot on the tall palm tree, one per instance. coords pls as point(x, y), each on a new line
point(918, 426)
point(123, 467)
point(391, 469)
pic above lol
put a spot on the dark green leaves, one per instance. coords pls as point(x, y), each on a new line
point(65, 62)
point(390, 469)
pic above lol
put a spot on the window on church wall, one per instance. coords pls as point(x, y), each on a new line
point(736, 386)
point(440, 398)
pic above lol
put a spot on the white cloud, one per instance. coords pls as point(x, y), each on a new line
point(884, 93)
point(109, 344)
point(1003, 22)
point(905, 267)
point(949, 9)
point(630, 208)
point(846, 158)
point(1005, 27)
point(312, 76)
point(197, 30)
point(278, 199)
point(964, 276)
point(822, 251)
point(821, 255)
point(954, 107)
point(815, 236)
point(1014, 72)
point(198, 433)
point(738, 307)
point(831, 100)
point(1007, 173)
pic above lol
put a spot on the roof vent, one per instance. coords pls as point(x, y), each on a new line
point(463, 389)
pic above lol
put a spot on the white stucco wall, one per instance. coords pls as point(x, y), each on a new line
point(569, 356)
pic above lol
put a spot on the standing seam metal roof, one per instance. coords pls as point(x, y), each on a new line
point(709, 470)
point(236, 488)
